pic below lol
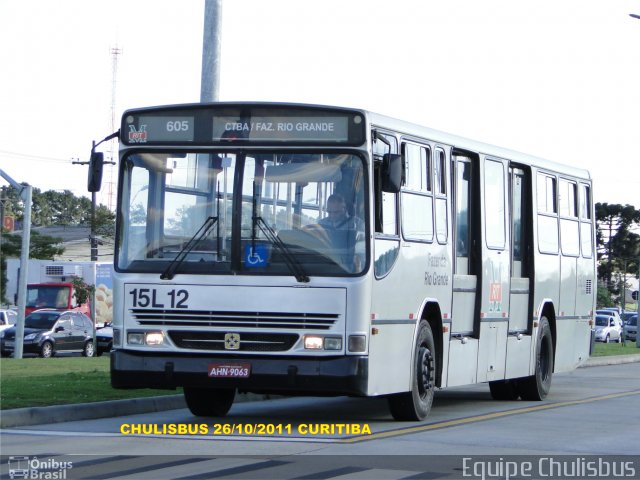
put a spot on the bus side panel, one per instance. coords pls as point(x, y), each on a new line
point(492, 351)
point(463, 359)
point(519, 356)
point(567, 287)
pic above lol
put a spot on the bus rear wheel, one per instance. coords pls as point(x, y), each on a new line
point(416, 404)
point(209, 402)
point(536, 387)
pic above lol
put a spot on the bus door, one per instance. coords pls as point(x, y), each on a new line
point(463, 343)
point(519, 340)
point(494, 290)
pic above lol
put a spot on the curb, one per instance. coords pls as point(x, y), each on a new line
point(22, 417)
point(612, 360)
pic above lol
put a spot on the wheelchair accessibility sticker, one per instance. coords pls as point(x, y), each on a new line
point(255, 255)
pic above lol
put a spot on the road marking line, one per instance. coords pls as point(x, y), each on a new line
point(480, 418)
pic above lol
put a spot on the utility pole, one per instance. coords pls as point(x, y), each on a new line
point(210, 78)
point(115, 52)
point(25, 191)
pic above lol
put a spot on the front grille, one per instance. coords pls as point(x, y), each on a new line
point(206, 318)
point(249, 342)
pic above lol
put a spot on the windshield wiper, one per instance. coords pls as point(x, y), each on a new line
point(290, 260)
point(206, 227)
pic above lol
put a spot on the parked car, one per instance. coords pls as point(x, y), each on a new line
point(8, 318)
point(48, 331)
point(608, 329)
point(104, 340)
point(631, 327)
point(613, 311)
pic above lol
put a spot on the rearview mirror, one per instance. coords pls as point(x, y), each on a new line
point(391, 173)
point(96, 164)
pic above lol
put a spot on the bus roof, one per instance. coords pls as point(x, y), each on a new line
point(463, 143)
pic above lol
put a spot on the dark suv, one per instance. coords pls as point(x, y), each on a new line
point(48, 331)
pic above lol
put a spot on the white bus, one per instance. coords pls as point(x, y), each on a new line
point(311, 250)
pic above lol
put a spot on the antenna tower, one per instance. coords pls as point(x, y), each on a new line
point(115, 52)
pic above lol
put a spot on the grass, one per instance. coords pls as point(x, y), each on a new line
point(606, 349)
point(34, 382)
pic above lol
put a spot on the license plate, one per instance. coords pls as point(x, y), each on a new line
point(8, 344)
point(229, 370)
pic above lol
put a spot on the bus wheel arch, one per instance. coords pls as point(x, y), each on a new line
point(536, 387)
point(415, 404)
point(549, 312)
point(431, 313)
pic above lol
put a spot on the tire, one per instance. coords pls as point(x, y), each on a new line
point(504, 390)
point(606, 339)
point(536, 387)
point(416, 404)
point(209, 402)
point(88, 350)
point(46, 350)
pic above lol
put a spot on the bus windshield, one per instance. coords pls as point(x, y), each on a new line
point(243, 213)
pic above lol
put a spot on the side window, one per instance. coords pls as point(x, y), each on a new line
point(569, 225)
point(440, 184)
point(417, 200)
point(586, 232)
point(385, 203)
point(495, 214)
point(65, 322)
point(387, 242)
point(568, 199)
point(546, 191)
point(463, 183)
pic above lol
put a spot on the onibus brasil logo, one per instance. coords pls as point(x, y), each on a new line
point(33, 468)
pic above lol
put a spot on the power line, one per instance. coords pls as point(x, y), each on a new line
point(35, 158)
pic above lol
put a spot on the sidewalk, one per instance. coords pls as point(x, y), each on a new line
point(20, 417)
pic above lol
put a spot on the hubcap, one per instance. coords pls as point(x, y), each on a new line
point(425, 367)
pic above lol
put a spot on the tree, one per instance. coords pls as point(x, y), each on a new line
point(617, 245)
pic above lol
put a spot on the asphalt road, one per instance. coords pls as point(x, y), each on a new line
point(591, 414)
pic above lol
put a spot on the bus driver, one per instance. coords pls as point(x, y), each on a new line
point(338, 217)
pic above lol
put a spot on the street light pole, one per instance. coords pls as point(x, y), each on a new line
point(25, 191)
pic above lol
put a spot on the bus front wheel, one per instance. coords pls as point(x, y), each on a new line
point(536, 387)
point(416, 404)
point(209, 402)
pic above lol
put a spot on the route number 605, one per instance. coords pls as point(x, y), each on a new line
point(178, 126)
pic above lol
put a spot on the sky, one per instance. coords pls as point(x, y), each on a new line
point(559, 79)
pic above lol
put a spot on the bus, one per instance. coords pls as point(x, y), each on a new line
point(310, 250)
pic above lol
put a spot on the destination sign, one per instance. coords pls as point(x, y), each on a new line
point(281, 129)
point(221, 124)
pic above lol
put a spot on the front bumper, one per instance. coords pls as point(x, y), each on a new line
point(27, 347)
point(344, 375)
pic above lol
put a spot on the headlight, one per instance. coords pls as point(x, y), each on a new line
point(32, 336)
point(151, 339)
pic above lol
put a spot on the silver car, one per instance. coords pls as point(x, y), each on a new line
point(631, 327)
point(608, 329)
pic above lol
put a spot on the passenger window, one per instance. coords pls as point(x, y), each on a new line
point(417, 202)
point(442, 220)
point(568, 199)
point(494, 204)
point(548, 237)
